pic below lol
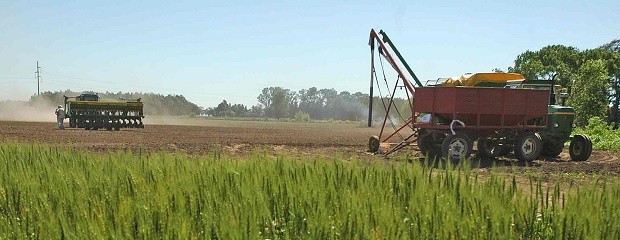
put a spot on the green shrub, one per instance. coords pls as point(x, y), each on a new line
point(603, 136)
point(302, 116)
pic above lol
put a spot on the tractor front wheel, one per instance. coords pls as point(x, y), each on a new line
point(528, 147)
point(580, 148)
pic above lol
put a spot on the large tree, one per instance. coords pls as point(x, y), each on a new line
point(612, 56)
point(553, 62)
point(311, 102)
point(590, 90)
point(278, 102)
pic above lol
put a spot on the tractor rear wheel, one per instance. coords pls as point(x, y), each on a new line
point(580, 148)
point(528, 146)
point(456, 147)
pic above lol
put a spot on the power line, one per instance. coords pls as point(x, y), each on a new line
point(68, 80)
point(38, 78)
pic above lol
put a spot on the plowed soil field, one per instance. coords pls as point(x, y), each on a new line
point(200, 136)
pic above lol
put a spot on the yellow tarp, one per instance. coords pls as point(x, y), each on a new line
point(478, 78)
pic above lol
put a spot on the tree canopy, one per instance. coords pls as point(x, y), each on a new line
point(554, 62)
point(580, 71)
point(590, 98)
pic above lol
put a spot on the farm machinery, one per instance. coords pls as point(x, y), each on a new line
point(88, 112)
point(502, 113)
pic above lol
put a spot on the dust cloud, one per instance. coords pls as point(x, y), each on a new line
point(23, 111)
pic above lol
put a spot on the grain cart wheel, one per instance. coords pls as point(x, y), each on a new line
point(427, 145)
point(552, 149)
point(457, 146)
point(528, 146)
point(373, 144)
point(488, 148)
point(580, 148)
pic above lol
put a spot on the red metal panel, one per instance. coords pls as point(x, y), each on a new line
point(445, 100)
point(424, 100)
point(482, 106)
point(466, 101)
point(492, 106)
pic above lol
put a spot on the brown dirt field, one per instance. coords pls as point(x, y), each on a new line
point(201, 136)
point(197, 136)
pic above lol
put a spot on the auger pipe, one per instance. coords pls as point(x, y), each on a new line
point(385, 52)
point(400, 57)
point(388, 56)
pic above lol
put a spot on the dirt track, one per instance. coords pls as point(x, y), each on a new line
point(199, 136)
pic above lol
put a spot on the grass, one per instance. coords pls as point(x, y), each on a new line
point(603, 136)
point(54, 192)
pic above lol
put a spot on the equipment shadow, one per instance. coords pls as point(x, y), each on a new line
point(478, 162)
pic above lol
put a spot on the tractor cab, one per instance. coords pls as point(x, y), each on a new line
point(87, 97)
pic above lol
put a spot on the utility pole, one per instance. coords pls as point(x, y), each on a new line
point(38, 72)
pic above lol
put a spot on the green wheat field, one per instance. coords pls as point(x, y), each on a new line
point(49, 192)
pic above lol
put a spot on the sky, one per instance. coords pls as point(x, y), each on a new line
point(230, 50)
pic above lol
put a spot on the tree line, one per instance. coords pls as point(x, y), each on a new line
point(306, 104)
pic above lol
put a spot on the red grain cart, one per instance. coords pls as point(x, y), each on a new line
point(457, 116)
point(446, 119)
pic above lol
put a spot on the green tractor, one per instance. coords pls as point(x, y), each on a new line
point(560, 125)
point(558, 130)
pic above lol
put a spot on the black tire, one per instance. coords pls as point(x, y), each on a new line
point(456, 147)
point(424, 142)
point(428, 147)
point(580, 148)
point(528, 147)
point(487, 148)
point(552, 149)
point(373, 144)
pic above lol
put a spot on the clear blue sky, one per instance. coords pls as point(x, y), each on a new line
point(210, 51)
